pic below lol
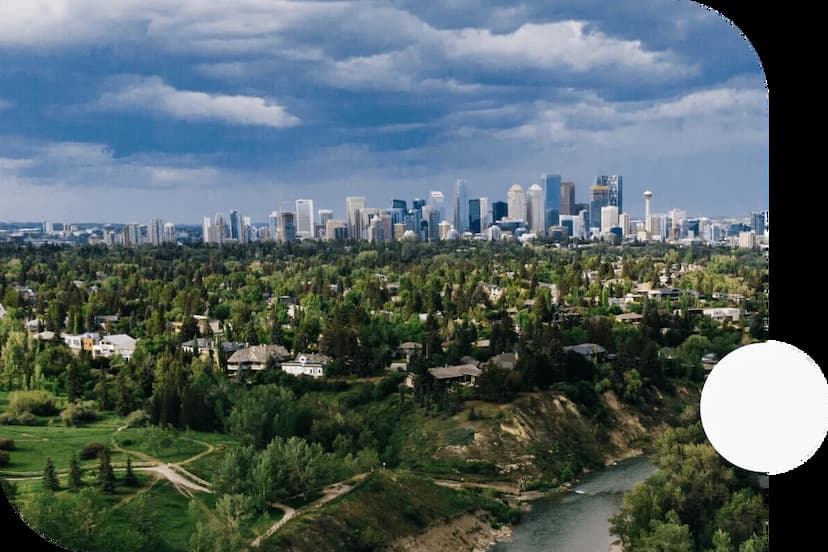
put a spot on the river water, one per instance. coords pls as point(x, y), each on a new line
point(577, 522)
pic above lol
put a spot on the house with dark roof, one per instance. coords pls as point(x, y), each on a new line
point(505, 361)
point(590, 351)
point(408, 349)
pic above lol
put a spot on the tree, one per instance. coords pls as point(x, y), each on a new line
point(75, 476)
point(50, 477)
point(106, 475)
point(129, 477)
point(221, 532)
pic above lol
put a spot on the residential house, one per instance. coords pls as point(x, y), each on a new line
point(307, 364)
point(462, 373)
point(506, 361)
point(709, 361)
point(207, 347)
point(408, 349)
point(590, 351)
point(723, 314)
point(256, 358)
point(117, 344)
point(665, 293)
point(629, 318)
point(81, 342)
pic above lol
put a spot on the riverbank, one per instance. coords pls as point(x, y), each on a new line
point(465, 532)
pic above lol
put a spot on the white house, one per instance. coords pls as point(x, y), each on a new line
point(117, 344)
point(723, 314)
point(79, 342)
point(307, 364)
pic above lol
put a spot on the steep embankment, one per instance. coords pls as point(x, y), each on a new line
point(545, 437)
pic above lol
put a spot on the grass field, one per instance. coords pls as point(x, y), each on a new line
point(33, 444)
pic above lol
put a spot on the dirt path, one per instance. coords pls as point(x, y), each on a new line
point(506, 488)
point(178, 480)
point(330, 492)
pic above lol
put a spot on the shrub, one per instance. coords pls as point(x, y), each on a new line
point(4, 458)
point(6, 418)
point(6, 444)
point(91, 450)
point(78, 414)
point(139, 418)
point(27, 418)
point(39, 403)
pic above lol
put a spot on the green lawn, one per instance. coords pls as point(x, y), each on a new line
point(33, 444)
point(179, 448)
point(206, 466)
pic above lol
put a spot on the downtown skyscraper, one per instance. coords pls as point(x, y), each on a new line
point(551, 184)
point(304, 218)
point(461, 207)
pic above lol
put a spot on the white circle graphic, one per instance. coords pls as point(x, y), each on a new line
point(764, 407)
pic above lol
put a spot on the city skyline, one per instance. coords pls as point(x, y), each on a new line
point(180, 113)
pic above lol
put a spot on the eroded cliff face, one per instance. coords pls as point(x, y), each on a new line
point(540, 432)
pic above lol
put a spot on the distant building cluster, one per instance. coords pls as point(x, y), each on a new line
point(547, 209)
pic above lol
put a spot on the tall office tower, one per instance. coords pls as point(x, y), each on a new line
point(475, 219)
point(437, 202)
point(517, 202)
point(336, 230)
point(246, 227)
point(418, 204)
point(156, 231)
point(609, 217)
point(324, 216)
point(169, 232)
point(412, 221)
point(551, 184)
point(273, 225)
point(648, 195)
point(304, 218)
point(365, 216)
point(399, 204)
point(461, 207)
point(485, 213)
point(599, 197)
point(399, 231)
point(397, 213)
point(235, 225)
point(222, 229)
point(352, 207)
point(615, 189)
point(536, 209)
point(693, 228)
point(624, 223)
point(287, 226)
point(434, 220)
point(380, 230)
point(757, 223)
point(443, 229)
point(584, 215)
point(568, 199)
point(206, 230)
point(766, 224)
point(500, 210)
point(677, 218)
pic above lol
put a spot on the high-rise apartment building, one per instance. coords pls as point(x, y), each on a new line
point(485, 213)
point(155, 231)
point(207, 232)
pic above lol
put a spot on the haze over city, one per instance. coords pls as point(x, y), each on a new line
point(168, 109)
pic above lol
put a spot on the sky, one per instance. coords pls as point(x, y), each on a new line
point(130, 110)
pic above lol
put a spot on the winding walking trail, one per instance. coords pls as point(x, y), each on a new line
point(332, 491)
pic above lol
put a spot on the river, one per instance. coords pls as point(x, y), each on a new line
point(577, 522)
